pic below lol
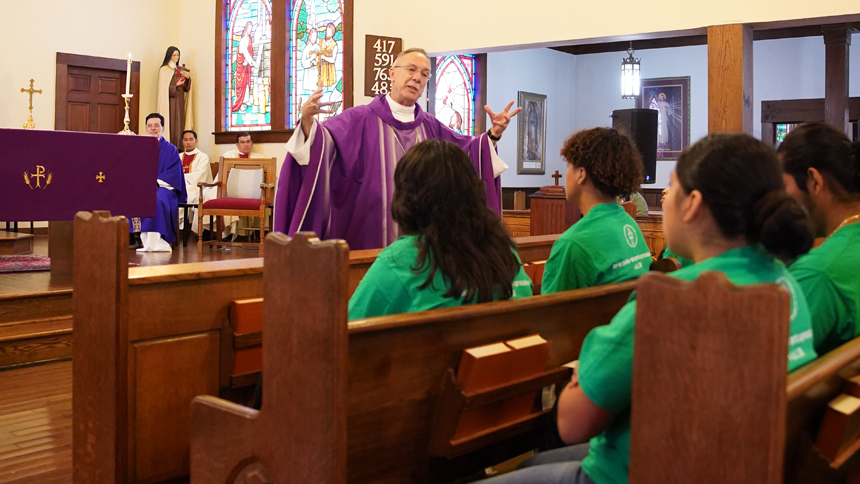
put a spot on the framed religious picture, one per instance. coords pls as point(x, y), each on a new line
point(670, 97)
point(531, 134)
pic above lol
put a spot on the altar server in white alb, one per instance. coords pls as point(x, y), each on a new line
point(195, 165)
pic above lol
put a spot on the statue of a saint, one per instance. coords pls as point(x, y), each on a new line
point(174, 96)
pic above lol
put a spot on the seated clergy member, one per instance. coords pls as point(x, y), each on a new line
point(605, 245)
point(453, 249)
point(157, 233)
point(195, 165)
point(727, 210)
point(244, 149)
point(822, 172)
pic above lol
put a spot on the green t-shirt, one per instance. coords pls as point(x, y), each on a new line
point(392, 287)
point(605, 246)
point(667, 252)
point(606, 359)
point(829, 276)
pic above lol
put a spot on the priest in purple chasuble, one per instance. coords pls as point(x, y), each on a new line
point(158, 232)
point(338, 176)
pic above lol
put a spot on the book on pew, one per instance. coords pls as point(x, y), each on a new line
point(840, 427)
point(496, 364)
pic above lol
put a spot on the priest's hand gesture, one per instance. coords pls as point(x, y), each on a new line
point(500, 121)
point(311, 108)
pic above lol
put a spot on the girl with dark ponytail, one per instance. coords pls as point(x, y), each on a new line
point(727, 210)
point(822, 172)
point(453, 249)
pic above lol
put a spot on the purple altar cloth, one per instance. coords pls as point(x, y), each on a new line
point(52, 175)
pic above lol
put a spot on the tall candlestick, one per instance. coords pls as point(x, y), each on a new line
point(128, 75)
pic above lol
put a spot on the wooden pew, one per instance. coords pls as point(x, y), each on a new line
point(241, 334)
point(395, 371)
point(711, 358)
point(140, 360)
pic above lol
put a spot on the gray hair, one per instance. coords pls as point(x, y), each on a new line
point(410, 51)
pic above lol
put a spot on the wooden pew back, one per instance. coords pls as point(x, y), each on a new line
point(726, 379)
point(300, 434)
point(709, 377)
point(397, 365)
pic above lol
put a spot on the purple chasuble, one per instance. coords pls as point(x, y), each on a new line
point(166, 201)
point(345, 190)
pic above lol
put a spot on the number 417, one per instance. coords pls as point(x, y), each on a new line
point(384, 45)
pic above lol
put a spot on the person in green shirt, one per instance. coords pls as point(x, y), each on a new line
point(728, 211)
point(453, 249)
point(822, 172)
point(606, 245)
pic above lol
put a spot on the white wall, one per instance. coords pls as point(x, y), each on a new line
point(101, 28)
point(540, 71)
point(598, 93)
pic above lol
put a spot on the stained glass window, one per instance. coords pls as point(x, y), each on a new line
point(249, 65)
point(782, 130)
point(316, 50)
point(455, 92)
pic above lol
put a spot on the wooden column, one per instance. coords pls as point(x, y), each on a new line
point(836, 43)
point(730, 78)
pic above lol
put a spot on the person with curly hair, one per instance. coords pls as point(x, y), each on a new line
point(822, 172)
point(453, 249)
point(728, 211)
point(606, 245)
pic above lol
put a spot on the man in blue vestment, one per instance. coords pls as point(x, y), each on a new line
point(158, 232)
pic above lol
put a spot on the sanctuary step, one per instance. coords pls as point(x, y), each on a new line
point(14, 243)
point(36, 328)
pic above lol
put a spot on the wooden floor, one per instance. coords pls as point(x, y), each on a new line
point(36, 401)
point(36, 424)
point(39, 282)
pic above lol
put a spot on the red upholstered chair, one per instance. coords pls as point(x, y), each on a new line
point(238, 195)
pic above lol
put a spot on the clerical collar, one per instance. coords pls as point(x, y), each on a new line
point(404, 114)
point(192, 152)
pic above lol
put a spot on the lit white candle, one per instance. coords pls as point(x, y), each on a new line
point(128, 76)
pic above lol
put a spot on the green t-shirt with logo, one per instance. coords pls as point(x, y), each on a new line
point(606, 359)
point(605, 246)
point(392, 287)
point(830, 278)
point(667, 252)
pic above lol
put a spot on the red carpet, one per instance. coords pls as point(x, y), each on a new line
point(25, 263)
point(30, 263)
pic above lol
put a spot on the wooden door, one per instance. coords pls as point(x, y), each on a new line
point(93, 100)
point(89, 94)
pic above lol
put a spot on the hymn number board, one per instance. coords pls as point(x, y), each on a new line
point(379, 54)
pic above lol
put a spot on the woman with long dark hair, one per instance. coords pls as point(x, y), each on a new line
point(728, 211)
point(452, 250)
point(822, 172)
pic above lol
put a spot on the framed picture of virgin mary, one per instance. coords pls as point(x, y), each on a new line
point(531, 133)
point(670, 97)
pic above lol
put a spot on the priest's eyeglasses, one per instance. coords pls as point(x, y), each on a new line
point(413, 69)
